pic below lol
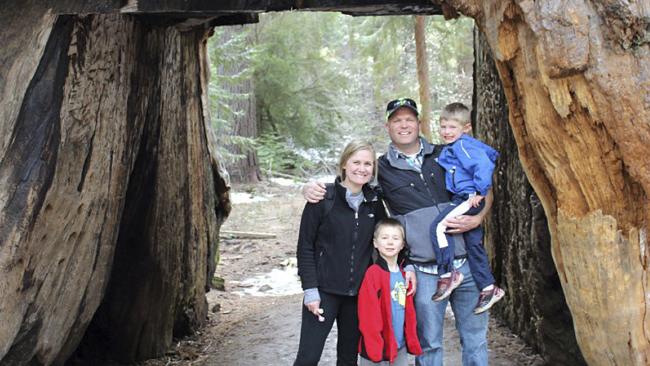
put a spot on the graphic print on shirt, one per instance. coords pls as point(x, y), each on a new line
point(398, 293)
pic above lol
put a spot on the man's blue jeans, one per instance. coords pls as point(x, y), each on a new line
point(430, 317)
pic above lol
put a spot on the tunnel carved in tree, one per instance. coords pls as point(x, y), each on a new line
point(84, 129)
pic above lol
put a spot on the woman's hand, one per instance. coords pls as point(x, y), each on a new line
point(314, 308)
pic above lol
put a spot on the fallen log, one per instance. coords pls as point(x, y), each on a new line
point(230, 234)
point(283, 175)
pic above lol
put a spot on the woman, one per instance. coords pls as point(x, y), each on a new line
point(334, 251)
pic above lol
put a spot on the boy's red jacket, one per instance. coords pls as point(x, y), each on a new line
point(377, 342)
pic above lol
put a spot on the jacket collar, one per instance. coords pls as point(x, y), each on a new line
point(369, 194)
point(397, 162)
point(464, 137)
point(381, 262)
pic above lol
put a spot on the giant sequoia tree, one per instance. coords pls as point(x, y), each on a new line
point(516, 231)
point(575, 75)
point(108, 191)
point(110, 201)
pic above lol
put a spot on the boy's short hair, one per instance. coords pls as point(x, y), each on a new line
point(389, 222)
point(456, 111)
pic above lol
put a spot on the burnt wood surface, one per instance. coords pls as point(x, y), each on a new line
point(110, 193)
point(203, 8)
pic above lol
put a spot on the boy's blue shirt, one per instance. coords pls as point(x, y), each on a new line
point(469, 164)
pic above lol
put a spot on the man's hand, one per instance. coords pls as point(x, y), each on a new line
point(462, 223)
point(313, 192)
point(409, 277)
point(314, 308)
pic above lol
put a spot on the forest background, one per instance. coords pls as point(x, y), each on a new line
point(287, 93)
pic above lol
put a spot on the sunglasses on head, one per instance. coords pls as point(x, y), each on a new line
point(401, 103)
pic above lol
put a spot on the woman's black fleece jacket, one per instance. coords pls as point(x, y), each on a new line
point(335, 247)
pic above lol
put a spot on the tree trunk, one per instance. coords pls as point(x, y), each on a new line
point(516, 231)
point(243, 115)
point(107, 185)
point(423, 76)
point(575, 75)
point(83, 128)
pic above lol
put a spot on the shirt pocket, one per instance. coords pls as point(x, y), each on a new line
point(321, 264)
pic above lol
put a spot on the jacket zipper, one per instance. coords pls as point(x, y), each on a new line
point(453, 177)
point(355, 236)
point(425, 184)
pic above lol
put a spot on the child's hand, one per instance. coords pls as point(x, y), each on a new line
point(475, 201)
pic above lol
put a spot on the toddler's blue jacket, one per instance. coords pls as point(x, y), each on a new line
point(468, 164)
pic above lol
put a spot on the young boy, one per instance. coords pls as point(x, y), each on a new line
point(386, 314)
point(469, 165)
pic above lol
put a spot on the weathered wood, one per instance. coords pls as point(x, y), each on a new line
point(83, 127)
point(352, 7)
point(516, 231)
point(109, 141)
point(575, 74)
point(168, 225)
point(206, 8)
point(27, 168)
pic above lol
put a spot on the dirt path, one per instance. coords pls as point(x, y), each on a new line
point(258, 322)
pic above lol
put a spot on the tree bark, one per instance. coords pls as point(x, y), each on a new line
point(516, 231)
point(422, 65)
point(243, 117)
point(107, 186)
point(83, 129)
point(575, 75)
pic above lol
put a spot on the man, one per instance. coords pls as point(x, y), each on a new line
point(413, 186)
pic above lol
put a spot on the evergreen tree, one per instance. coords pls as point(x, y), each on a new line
point(324, 78)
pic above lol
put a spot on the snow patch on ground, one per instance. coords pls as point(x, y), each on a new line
point(285, 182)
point(243, 197)
point(278, 282)
point(246, 197)
point(325, 178)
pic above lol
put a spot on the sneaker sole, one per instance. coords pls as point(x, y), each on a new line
point(498, 296)
point(451, 288)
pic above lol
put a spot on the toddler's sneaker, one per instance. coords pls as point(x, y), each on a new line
point(488, 298)
point(446, 285)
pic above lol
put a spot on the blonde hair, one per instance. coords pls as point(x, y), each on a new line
point(350, 149)
point(456, 111)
